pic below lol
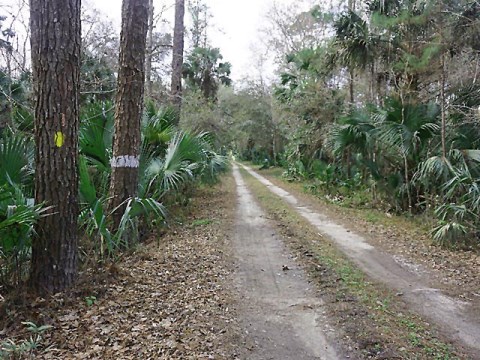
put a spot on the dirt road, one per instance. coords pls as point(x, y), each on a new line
point(280, 314)
point(178, 296)
point(456, 320)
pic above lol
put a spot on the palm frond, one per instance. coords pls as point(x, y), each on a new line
point(96, 134)
point(434, 168)
point(449, 233)
point(158, 127)
point(16, 159)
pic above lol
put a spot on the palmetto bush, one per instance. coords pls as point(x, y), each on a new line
point(18, 214)
point(454, 182)
point(157, 128)
point(95, 140)
point(385, 145)
point(397, 147)
point(16, 159)
point(188, 159)
point(404, 134)
point(171, 162)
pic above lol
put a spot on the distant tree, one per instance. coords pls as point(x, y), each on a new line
point(6, 34)
point(100, 38)
point(6, 81)
point(293, 27)
point(199, 12)
point(248, 118)
point(356, 46)
point(128, 106)
point(204, 70)
point(159, 45)
point(55, 42)
point(177, 60)
point(97, 79)
point(100, 47)
point(148, 60)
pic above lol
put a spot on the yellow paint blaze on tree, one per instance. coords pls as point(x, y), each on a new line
point(59, 139)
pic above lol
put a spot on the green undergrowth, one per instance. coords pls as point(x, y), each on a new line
point(361, 209)
point(373, 317)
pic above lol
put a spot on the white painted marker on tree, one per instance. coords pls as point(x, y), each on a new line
point(125, 161)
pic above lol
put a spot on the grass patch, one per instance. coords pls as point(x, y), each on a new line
point(370, 315)
point(201, 222)
point(276, 172)
point(372, 217)
point(356, 203)
point(355, 206)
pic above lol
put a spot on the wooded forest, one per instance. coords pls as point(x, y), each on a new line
point(378, 105)
point(106, 132)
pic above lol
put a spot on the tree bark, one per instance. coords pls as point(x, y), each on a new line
point(55, 44)
point(128, 106)
point(177, 59)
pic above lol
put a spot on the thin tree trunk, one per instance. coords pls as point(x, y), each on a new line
point(195, 11)
point(6, 110)
point(177, 59)
point(372, 84)
point(10, 101)
point(379, 93)
point(349, 164)
point(55, 44)
point(444, 116)
point(405, 159)
point(148, 62)
point(351, 85)
point(128, 106)
point(351, 5)
point(351, 71)
point(407, 183)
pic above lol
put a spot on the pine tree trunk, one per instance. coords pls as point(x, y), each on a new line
point(177, 60)
point(128, 106)
point(55, 43)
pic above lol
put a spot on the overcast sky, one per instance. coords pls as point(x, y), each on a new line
point(235, 25)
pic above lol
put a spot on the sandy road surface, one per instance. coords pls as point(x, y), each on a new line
point(281, 316)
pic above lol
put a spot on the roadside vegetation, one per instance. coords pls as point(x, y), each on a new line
point(371, 318)
point(173, 159)
point(172, 162)
point(376, 106)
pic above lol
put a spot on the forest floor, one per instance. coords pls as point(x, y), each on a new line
point(243, 275)
point(170, 298)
